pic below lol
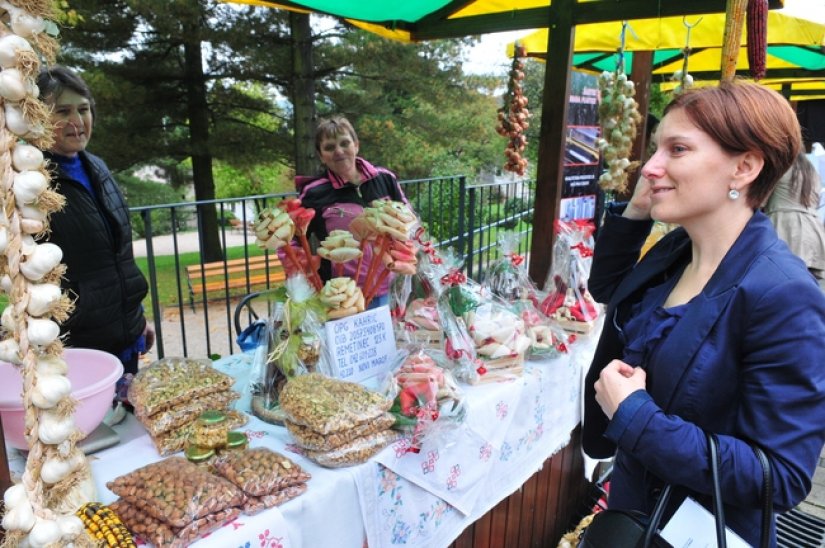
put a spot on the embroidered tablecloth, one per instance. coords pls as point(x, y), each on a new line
point(398, 497)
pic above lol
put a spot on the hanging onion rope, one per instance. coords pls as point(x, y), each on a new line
point(513, 116)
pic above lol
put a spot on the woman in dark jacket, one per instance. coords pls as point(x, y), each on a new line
point(93, 231)
point(342, 192)
point(719, 328)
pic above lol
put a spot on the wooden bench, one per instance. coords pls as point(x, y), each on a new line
point(219, 277)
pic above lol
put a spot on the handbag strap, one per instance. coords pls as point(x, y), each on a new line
point(767, 496)
point(718, 506)
point(656, 516)
point(718, 509)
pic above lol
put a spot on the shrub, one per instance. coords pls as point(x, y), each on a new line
point(142, 193)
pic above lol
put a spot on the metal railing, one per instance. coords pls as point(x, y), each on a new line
point(467, 218)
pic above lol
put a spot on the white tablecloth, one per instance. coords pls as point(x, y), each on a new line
point(398, 497)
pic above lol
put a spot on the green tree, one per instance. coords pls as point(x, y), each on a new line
point(427, 119)
point(165, 77)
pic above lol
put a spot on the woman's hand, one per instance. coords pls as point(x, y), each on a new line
point(149, 334)
point(616, 382)
point(638, 208)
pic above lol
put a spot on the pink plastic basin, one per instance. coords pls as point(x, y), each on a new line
point(93, 374)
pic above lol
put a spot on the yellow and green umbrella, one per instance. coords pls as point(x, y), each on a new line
point(794, 46)
point(427, 19)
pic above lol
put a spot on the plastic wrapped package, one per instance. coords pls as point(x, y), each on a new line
point(188, 412)
point(176, 492)
point(547, 340)
point(309, 439)
point(506, 277)
point(328, 405)
point(162, 535)
point(253, 505)
point(415, 300)
point(458, 297)
point(427, 399)
point(355, 452)
point(294, 347)
point(172, 381)
point(296, 344)
point(259, 471)
point(568, 302)
point(500, 339)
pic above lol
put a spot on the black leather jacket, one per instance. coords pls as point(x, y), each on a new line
point(96, 238)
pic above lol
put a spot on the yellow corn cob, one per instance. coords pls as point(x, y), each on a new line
point(104, 525)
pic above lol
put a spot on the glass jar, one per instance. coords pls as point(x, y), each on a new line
point(199, 455)
point(211, 430)
point(236, 441)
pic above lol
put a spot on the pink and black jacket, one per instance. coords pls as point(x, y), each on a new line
point(337, 202)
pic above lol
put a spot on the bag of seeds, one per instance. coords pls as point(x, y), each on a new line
point(326, 405)
point(171, 381)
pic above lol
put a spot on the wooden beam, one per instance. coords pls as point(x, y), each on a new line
point(640, 75)
point(549, 178)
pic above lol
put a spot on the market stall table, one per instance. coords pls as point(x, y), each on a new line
point(398, 497)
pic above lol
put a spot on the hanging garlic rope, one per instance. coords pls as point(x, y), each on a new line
point(618, 116)
point(682, 76)
point(39, 511)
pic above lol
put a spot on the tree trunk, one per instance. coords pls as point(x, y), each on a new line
point(303, 94)
point(199, 139)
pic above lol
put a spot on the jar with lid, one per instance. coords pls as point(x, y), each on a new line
point(236, 441)
point(211, 430)
point(199, 455)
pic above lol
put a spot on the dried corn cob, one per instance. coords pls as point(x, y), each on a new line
point(103, 525)
point(732, 39)
point(757, 30)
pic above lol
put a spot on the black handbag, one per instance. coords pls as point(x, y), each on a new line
point(625, 529)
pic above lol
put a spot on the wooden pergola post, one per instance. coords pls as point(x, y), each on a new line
point(550, 172)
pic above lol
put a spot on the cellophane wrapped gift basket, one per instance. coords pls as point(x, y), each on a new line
point(294, 346)
point(414, 299)
point(567, 299)
point(507, 278)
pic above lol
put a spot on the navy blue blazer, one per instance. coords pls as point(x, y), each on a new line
point(746, 361)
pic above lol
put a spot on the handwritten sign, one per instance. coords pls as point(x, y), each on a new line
point(361, 346)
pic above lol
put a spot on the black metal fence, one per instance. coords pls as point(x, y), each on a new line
point(467, 218)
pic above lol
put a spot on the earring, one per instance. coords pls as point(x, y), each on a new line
point(733, 194)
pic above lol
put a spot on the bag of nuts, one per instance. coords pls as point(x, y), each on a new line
point(254, 505)
point(355, 452)
point(187, 412)
point(162, 535)
point(171, 381)
point(326, 405)
point(176, 491)
point(309, 439)
point(260, 471)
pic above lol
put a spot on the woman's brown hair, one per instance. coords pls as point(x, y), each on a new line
point(329, 128)
point(744, 117)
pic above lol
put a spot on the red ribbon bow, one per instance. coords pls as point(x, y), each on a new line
point(583, 250)
point(454, 277)
point(516, 259)
point(426, 245)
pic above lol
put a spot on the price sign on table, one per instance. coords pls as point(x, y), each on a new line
point(361, 346)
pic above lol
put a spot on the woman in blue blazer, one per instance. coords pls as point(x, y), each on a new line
point(719, 328)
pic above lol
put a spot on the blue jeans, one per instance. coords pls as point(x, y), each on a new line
point(379, 301)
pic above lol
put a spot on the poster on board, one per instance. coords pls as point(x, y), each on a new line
point(582, 161)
